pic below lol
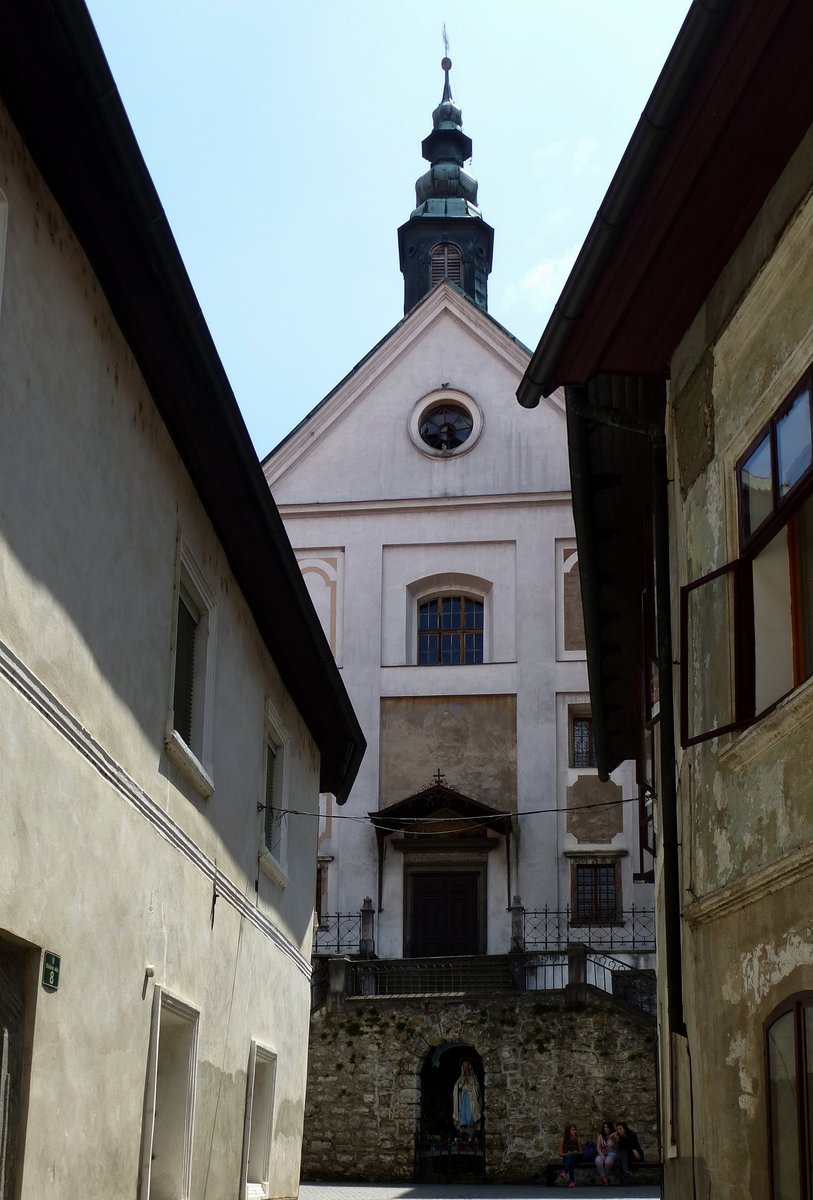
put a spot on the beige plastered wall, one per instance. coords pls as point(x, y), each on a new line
point(745, 799)
point(108, 855)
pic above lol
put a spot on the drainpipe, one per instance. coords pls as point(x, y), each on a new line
point(579, 406)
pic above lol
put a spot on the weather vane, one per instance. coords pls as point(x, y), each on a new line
point(445, 42)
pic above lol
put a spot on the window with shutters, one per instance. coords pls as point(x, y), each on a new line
point(274, 803)
point(447, 264)
point(189, 723)
point(747, 627)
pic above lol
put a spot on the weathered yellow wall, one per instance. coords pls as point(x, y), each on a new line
point(745, 799)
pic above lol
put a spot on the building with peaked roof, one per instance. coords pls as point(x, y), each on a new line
point(431, 518)
point(684, 341)
point(166, 693)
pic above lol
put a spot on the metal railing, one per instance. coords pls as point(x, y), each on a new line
point(576, 969)
point(555, 928)
point(430, 976)
point(337, 933)
point(622, 981)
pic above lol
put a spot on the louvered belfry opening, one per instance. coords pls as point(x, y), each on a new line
point(187, 626)
point(447, 263)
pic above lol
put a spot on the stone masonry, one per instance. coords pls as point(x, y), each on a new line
point(546, 1061)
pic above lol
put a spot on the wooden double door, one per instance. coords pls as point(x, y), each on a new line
point(445, 913)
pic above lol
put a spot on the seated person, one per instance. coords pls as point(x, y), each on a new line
point(629, 1148)
point(607, 1144)
point(570, 1148)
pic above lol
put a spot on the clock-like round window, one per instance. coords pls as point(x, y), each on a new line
point(446, 427)
point(445, 423)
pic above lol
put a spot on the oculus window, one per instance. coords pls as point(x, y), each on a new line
point(445, 424)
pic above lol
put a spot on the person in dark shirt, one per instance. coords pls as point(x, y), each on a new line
point(629, 1148)
point(570, 1148)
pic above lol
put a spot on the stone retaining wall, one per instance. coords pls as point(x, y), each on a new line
point(546, 1061)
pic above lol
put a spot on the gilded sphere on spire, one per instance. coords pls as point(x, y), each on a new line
point(446, 64)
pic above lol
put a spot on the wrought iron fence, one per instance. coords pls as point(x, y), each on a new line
point(626, 983)
point(555, 928)
point(337, 933)
point(431, 976)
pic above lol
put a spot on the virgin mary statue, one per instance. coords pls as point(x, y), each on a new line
point(467, 1106)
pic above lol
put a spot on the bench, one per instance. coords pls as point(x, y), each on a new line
point(587, 1170)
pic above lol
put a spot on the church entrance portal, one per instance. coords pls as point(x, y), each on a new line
point(450, 1139)
point(445, 909)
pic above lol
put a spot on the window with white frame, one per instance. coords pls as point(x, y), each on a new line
point(747, 627)
point(259, 1124)
point(274, 804)
point(190, 720)
point(169, 1109)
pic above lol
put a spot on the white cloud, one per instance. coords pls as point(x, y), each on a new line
point(539, 288)
point(584, 155)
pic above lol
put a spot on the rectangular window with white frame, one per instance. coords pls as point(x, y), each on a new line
point(190, 720)
point(169, 1104)
point(259, 1123)
point(747, 627)
point(274, 804)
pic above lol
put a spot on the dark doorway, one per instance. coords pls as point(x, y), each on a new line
point(444, 1147)
point(16, 964)
point(445, 911)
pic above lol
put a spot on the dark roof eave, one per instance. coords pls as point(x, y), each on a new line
point(59, 91)
point(695, 39)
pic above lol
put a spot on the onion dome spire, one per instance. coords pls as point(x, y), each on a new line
point(446, 237)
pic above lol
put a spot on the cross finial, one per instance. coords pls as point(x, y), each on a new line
point(445, 41)
point(438, 777)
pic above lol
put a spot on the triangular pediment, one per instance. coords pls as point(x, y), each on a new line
point(442, 804)
point(444, 342)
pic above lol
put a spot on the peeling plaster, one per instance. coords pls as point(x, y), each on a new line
point(737, 1053)
point(764, 966)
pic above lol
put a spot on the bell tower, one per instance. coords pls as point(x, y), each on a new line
point(446, 237)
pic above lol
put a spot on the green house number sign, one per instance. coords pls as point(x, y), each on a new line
point(50, 970)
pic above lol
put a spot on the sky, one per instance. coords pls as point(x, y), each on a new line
point(284, 143)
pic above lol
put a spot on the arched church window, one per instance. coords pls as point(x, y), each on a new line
point(450, 631)
point(447, 263)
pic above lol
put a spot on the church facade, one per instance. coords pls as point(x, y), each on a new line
point(431, 518)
